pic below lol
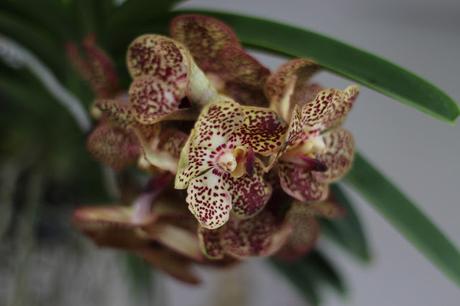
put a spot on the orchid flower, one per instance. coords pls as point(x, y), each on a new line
point(160, 62)
point(317, 150)
point(217, 51)
point(220, 164)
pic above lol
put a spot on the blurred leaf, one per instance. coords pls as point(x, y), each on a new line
point(301, 277)
point(86, 17)
point(347, 231)
point(405, 216)
point(340, 58)
point(50, 15)
point(140, 275)
point(38, 41)
point(136, 12)
point(322, 268)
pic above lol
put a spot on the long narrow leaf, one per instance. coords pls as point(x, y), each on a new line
point(321, 266)
point(36, 40)
point(135, 12)
point(347, 231)
point(50, 16)
point(405, 216)
point(340, 58)
point(301, 278)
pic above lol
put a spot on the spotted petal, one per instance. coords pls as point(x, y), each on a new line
point(250, 193)
point(210, 243)
point(300, 183)
point(152, 98)
point(113, 146)
point(217, 123)
point(289, 85)
point(104, 77)
point(204, 36)
point(309, 120)
point(262, 130)
point(341, 107)
point(209, 199)
point(95, 67)
point(116, 111)
point(159, 56)
point(261, 235)
point(338, 155)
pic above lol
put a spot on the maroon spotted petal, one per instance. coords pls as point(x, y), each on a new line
point(337, 156)
point(210, 243)
point(262, 130)
point(104, 77)
point(250, 193)
point(152, 99)
point(113, 146)
point(261, 235)
point(159, 56)
point(341, 107)
point(209, 199)
point(300, 183)
point(204, 36)
point(309, 120)
point(96, 67)
point(217, 123)
point(117, 111)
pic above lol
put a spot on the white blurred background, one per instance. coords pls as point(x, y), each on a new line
point(419, 153)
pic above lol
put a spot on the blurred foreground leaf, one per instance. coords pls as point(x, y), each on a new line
point(309, 273)
point(347, 232)
point(405, 216)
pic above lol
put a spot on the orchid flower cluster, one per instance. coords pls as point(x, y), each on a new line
point(239, 159)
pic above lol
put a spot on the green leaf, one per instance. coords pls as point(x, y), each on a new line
point(136, 17)
point(37, 40)
point(139, 275)
point(85, 16)
point(49, 16)
point(324, 270)
point(405, 216)
point(135, 12)
point(345, 60)
point(347, 231)
point(301, 278)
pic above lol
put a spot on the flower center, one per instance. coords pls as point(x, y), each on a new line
point(227, 161)
point(308, 148)
point(313, 146)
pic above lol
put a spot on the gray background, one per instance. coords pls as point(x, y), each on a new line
point(419, 153)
